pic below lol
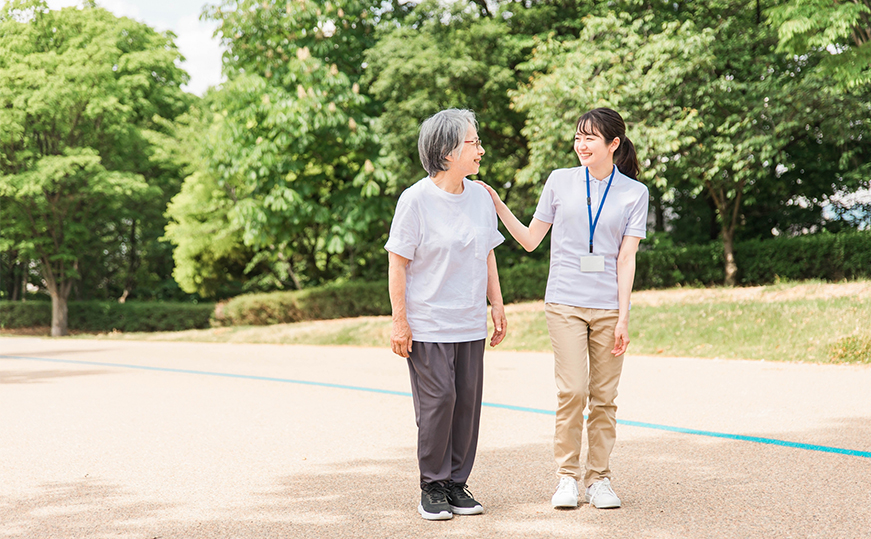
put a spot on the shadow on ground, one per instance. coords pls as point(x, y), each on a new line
point(672, 485)
point(86, 508)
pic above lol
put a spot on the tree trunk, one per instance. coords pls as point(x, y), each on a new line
point(729, 254)
point(714, 231)
point(16, 282)
point(24, 281)
point(59, 290)
point(132, 265)
point(658, 209)
point(59, 313)
point(729, 214)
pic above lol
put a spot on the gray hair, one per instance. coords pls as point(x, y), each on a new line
point(441, 135)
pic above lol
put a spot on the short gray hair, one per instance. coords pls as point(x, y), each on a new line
point(442, 135)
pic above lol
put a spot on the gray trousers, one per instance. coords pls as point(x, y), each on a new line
point(447, 381)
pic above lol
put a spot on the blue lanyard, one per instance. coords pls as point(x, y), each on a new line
point(601, 203)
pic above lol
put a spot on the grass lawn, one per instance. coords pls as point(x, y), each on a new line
point(810, 321)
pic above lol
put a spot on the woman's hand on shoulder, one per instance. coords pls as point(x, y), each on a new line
point(493, 194)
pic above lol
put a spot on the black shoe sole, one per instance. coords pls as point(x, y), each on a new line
point(444, 515)
point(477, 510)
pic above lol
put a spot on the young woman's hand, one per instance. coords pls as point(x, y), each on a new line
point(493, 194)
point(621, 338)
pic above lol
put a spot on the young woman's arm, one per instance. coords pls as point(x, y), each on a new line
point(400, 336)
point(529, 237)
point(625, 279)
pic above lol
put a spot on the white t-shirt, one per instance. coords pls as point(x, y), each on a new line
point(563, 203)
point(447, 237)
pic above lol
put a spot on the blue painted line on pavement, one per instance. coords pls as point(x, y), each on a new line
point(711, 434)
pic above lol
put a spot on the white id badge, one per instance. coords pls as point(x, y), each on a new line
point(592, 263)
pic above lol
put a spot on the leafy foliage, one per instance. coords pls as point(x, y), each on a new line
point(839, 32)
point(80, 91)
point(289, 146)
point(710, 106)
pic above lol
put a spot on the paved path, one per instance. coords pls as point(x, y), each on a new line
point(144, 440)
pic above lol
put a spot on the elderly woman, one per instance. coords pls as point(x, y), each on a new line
point(442, 271)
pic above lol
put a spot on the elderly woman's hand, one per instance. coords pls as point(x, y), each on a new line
point(500, 324)
point(400, 338)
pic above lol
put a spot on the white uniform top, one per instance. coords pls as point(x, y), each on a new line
point(447, 237)
point(563, 203)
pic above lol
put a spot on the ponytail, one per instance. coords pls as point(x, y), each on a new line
point(626, 160)
point(610, 125)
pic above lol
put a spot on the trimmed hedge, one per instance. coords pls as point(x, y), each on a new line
point(830, 257)
point(524, 282)
point(110, 315)
point(24, 314)
point(322, 303)
point(691, 265)
point(823, 256)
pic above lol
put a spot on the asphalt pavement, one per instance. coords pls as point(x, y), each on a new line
point(103, 439)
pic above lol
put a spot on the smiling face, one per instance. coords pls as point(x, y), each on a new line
point(592, 149)
point(469, 160)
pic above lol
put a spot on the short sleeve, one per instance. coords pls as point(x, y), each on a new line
point(405, 230)
point(496, 237)
point(637, 224)
point(545, 210)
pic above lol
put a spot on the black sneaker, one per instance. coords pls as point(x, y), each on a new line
point(461, 500)
point(434, 502)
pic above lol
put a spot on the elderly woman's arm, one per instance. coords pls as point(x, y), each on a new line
point(494, 294)
point(400, 336)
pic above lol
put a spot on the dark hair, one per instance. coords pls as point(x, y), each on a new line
point(610, 125)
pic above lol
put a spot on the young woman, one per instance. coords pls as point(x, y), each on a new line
point(599, 213)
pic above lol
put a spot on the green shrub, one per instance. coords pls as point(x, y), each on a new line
point(110, 315)
point(523, 282)
point(672, 266)
point(830, 257)
point(24, 314)
point(336, 300)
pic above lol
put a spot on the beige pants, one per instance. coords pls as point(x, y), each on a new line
point(579, 334)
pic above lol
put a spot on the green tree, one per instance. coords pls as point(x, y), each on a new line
point(80, 93)
point(291, 148)
point(210, 255)
point(463, 54)
point(840, 32)
point(712, 106)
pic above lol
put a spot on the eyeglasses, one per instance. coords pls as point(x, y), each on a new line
point(476, 142)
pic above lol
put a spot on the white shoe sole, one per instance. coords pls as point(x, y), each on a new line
point(477, 510)
point(603, 505)
point(564, 504)
point(444, 515)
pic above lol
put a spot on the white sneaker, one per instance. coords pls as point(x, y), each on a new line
point(601, 496)
point(566, 494)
